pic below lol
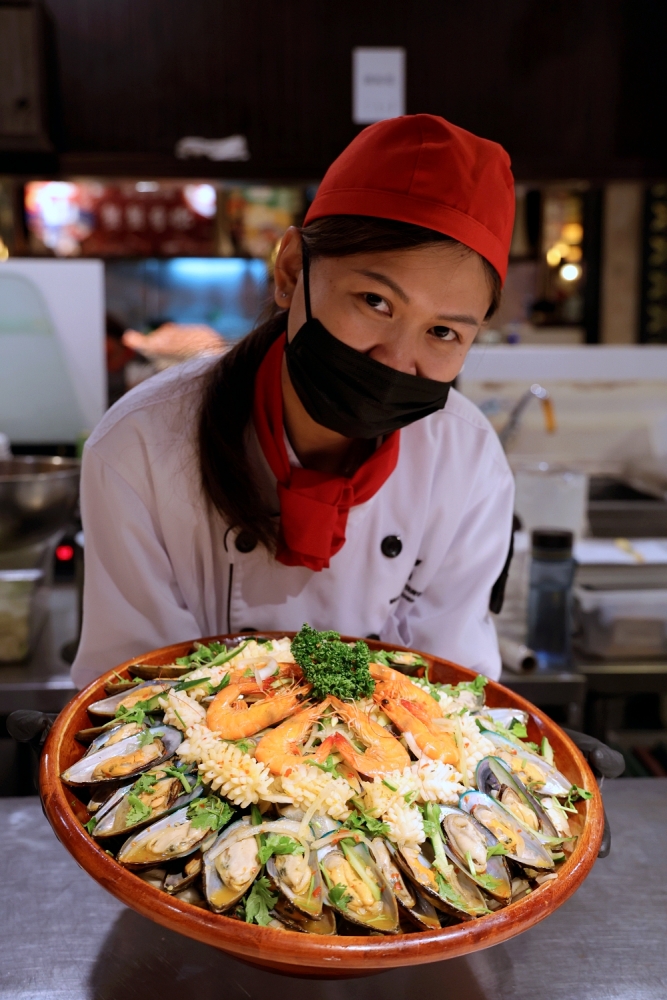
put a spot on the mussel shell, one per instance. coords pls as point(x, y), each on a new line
point(311, 903)
point(492, 774)
point(176, 882)
point(151, 672)
point(110, 823)
point(219, 896)
point(423, 913)
point(87, 736)
point(295, 920)
point(148, 689)
point(117, 686)
point(466, 901)
point(530, 851)
point(386, 921)
point(153, 876)
point(134, 854)
point(505, 716)
point(81, 773)
point(531, 769)
point(116, 733)
point(495, 880)
point(114, 795)
point(382, 855)
point(100, 799)
point(405, 663)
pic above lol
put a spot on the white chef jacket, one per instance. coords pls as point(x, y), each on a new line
point(162, 566)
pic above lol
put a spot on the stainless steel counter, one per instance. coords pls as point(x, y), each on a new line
point(64, 938)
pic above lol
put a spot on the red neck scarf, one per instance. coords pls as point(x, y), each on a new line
point(313, 505)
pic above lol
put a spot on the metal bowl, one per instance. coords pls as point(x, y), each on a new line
point(38, 495)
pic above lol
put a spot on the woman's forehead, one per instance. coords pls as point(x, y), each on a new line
point(442, 272)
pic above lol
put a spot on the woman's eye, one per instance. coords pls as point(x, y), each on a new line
point(443, 333)
point(376, 302)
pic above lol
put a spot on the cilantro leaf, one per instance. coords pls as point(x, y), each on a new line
point(140, 709)
point(339, 896)
point(144, 783)
point(209, 813)
point(138, 811)
point(518, 729)
point(574, 795)
point(134, 714)
point(259, 901)
point(278, 844)
point(361, 820)
point(146, 738)
point(331, 666)
point(329, 766)
point(91, 824)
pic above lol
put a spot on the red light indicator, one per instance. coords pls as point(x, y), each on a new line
point(64, 553)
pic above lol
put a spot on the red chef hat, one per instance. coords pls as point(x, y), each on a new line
point(423, 170)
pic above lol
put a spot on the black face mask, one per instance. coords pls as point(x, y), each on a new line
point(349, 392)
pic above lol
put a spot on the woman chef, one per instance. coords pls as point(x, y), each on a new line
point(324, 470)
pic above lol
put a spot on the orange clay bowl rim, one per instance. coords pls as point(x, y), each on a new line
point(304, 954)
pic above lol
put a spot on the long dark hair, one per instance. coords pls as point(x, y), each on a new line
point(227, 477)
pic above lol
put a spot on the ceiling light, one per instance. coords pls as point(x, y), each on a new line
point(570, 272)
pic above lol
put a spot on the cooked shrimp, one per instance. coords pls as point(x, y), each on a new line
point(234, 720)
point(398, 686)
point(282, 747)
point(240, 674)
point(432, 742)
point(384, 752)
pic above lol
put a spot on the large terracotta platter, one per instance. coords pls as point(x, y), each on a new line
point(312, 955)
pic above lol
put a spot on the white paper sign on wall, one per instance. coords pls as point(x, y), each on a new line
point(378, 84)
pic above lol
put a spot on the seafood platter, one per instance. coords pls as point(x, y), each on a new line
point(321, 806)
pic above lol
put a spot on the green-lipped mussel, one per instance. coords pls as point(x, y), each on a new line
point(519, 843)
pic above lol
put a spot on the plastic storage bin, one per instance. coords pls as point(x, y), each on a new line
point(621, 623)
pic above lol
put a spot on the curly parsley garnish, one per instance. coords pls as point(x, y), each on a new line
point(331, 666)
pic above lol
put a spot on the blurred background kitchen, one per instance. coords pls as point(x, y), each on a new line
point(151, 157)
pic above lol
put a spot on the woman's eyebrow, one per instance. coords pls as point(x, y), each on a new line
point(384, 280)
point(465, 318)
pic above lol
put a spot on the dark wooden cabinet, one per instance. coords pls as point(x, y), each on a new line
point(22, 79)
point(572, 88)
